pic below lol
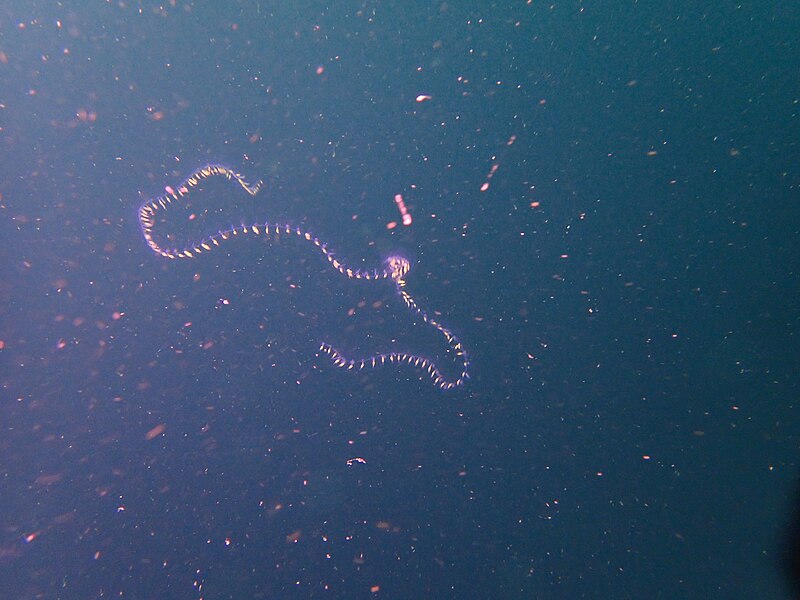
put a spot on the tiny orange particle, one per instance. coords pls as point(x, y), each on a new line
point(155, 431)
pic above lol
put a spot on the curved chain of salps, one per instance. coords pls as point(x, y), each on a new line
point(395, 268)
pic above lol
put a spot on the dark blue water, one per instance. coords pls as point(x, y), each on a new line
point(625, 286)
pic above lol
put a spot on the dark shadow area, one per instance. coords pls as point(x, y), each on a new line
point(790, 548)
